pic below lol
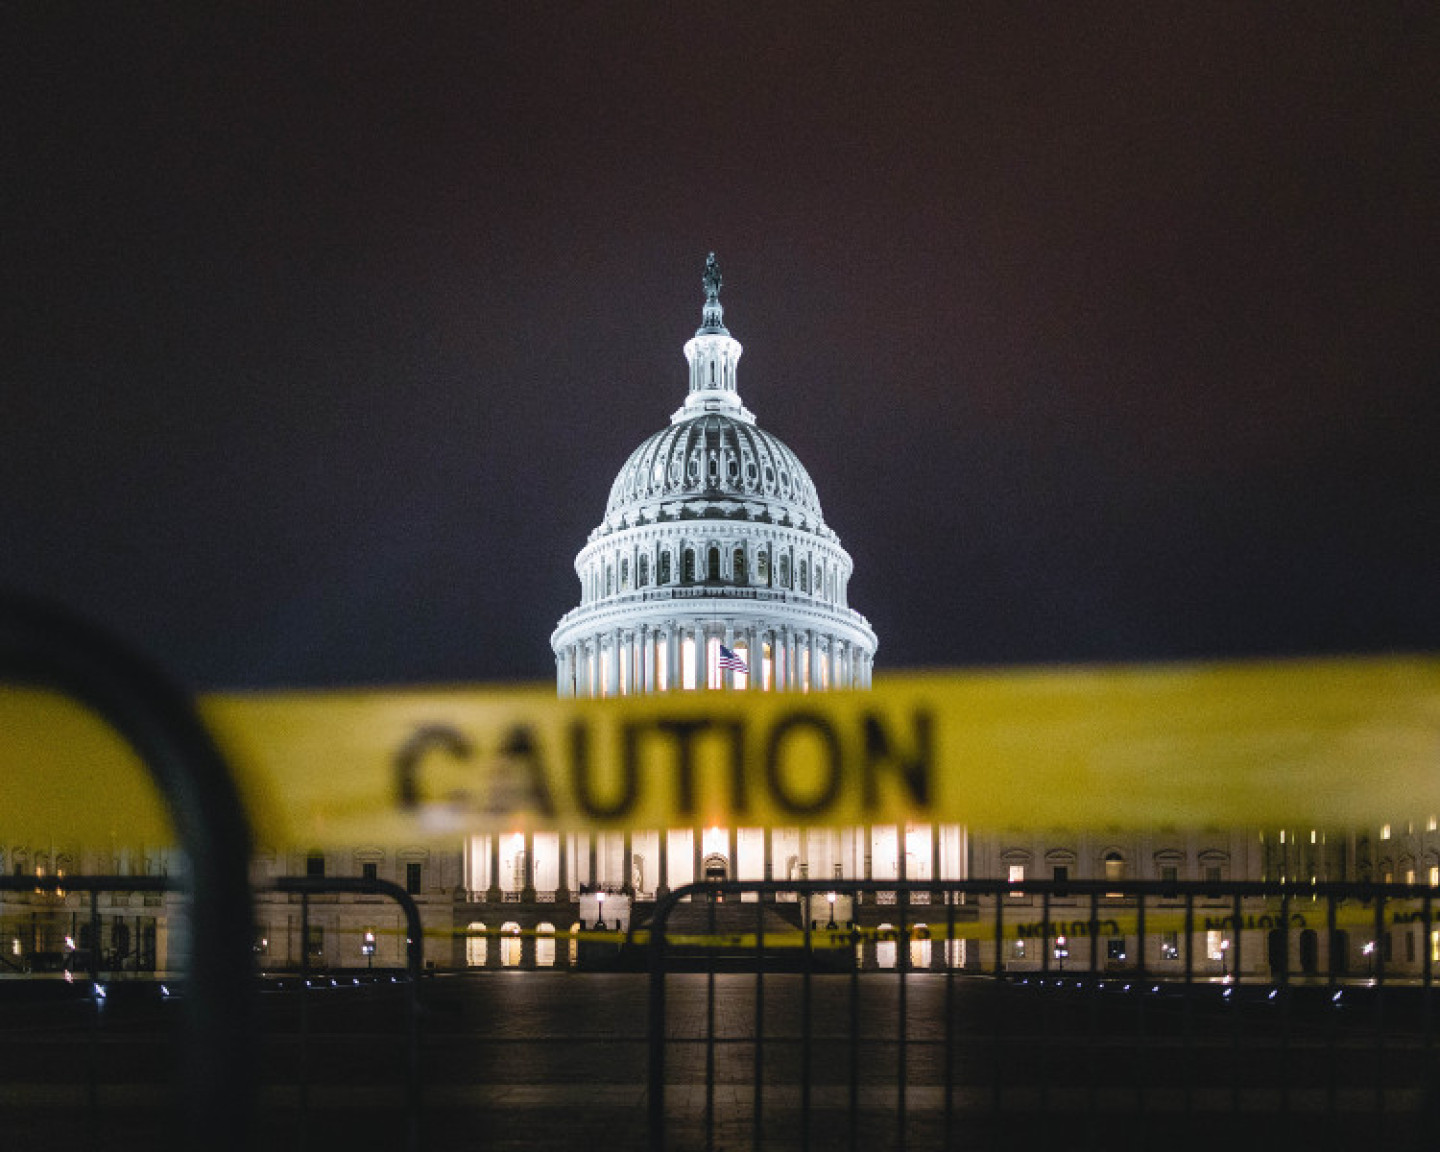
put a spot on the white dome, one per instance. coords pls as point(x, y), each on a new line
point(713, 457)
point(712, 540)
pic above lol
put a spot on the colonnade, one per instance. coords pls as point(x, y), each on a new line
point(647, 863)
point(674, 655)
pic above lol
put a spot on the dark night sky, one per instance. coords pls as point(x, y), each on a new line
point(1104, 336)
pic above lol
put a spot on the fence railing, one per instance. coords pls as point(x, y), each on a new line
point(1082, 1002)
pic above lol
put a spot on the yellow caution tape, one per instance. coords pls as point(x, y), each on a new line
point(1342, 742)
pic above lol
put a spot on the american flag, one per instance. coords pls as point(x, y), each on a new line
point(729, 662)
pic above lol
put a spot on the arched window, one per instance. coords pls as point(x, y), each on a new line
point(644, 571)
point(819, 579)
point(476, 945)
point(804, 576)
point(784, 571)
point(544, 945)
point(762, 567)
point(712, 567)
point(1114, 865)
point(609, 580)
point(510, 944)
point(687, 567)
point(885, 946)
point(624, 574)
point(665, 567)
point(742, 576)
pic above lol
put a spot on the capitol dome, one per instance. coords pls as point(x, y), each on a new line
point(713, 567)
point(713, 457)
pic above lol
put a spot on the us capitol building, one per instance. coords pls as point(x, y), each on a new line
point(712, 570)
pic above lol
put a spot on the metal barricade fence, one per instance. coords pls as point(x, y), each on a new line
point(93, 1003)
point(1116, 1013)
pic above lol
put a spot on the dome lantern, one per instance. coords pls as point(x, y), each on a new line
point(713, 355)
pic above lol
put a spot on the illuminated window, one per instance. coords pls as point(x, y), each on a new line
point(687, 664)
point(476, 945)
point(1213, 940)
point(1434, 876)
point(510, 944)
point(1384, 832)
point(1170, 945)
point(885, 949)
point(545, 945)
point(1114, 866)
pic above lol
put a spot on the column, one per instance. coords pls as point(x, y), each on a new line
point(727, 679)
point(627, 865)
point(562, 891)
point(755, 657)
point(777, 659)
point(612, 681)
point(672, 655)
point(734, 853)
point(592, 839)
point(663, 885)
point(702, 659)
point(647, 657)
point(527, 892)
point(493, 895)
point(814, 661)
point(697, 840)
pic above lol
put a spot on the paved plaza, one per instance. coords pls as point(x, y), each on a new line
point(559, 1060)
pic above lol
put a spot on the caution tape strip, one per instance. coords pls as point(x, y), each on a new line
point(1335, 743)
